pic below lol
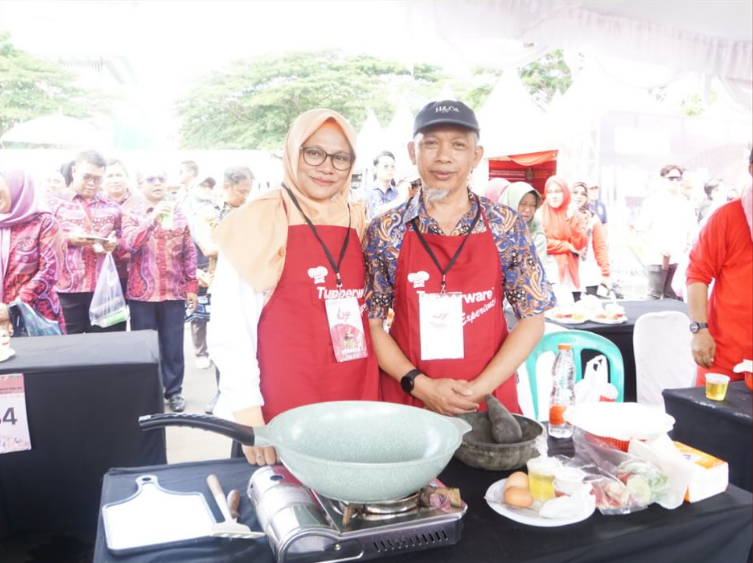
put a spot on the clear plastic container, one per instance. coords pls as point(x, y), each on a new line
point(563, 393)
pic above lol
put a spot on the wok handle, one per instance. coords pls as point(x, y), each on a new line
point(244, 434)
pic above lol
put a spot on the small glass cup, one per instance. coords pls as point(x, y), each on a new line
point(567, 480)
point(716, 386)
point(541, 478)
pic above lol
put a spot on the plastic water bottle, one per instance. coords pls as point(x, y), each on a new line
point(563, 392)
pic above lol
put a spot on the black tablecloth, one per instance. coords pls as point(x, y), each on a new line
point(721, 428)
point(622, 334)
point(717, 529)
point(84, 394)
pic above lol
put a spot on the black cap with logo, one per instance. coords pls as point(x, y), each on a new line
point(445, 112)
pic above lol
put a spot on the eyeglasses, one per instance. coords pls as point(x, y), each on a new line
point(154, 180)
point(89, 179)
point(674, 178)
point(314, 156)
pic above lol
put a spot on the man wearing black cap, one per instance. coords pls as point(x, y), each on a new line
point(444, 261)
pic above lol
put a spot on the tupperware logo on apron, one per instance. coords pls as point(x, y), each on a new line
point(418, 279)
point(476, 304)
point(318, 274)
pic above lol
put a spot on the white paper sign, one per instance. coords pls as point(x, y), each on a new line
point(14, 427)
point(441, 325)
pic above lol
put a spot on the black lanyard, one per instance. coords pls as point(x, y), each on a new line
point(335, 267)
point(451, 263)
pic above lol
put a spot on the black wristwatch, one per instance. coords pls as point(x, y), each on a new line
point(695, 327)
point(408, 380)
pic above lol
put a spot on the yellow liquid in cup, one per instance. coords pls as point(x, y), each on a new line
point(542, 486)
point(716, 391)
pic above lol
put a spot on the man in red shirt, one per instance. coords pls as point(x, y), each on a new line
point(722, 325)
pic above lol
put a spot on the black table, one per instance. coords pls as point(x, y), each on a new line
point(622, 334)
point(717, 529)
point(721, 428)
point(84, 394)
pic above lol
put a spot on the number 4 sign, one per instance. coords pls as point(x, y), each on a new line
point(14, 427)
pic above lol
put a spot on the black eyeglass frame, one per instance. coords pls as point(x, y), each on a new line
point(328, 155)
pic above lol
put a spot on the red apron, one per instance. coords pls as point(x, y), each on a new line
point(477, 274)
point(296, 359)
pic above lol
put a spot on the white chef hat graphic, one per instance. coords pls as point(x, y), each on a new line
point(418, 278)
point(318, 274)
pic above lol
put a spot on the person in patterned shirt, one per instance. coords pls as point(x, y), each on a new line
point(29, 250)
point(162, 277)
point(90, 225)
point(443, 261)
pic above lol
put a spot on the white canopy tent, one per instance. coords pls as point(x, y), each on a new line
point(56, 131)
point(712, 36)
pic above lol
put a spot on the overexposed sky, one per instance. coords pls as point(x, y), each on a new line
point(170, 41)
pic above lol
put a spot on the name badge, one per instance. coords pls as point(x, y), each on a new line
point(346, 328)
point(441, 325)
point(14, 427)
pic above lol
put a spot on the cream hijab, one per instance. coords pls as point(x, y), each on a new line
point(254, 237)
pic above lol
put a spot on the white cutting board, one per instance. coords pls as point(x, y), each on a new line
point(155, 516)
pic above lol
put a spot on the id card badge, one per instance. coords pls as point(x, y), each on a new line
point(441, 324)
point(346, 328)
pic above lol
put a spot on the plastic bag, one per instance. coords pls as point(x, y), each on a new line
point(203, 311)
point(27, 322)
point(108, 306)
point(595, 386)
point(644, 481)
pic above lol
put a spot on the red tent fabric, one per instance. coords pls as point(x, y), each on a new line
point(534, 168)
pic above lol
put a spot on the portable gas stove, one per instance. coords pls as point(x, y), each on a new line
point(302, 525)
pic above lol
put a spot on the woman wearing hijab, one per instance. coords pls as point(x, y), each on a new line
point(29, 250)
point(523, 198)
point(594, 264)
point(288, 321)
point(565, 233)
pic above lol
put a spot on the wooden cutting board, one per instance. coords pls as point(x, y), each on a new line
point(154, 516)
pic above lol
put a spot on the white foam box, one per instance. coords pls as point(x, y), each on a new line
point(709, 474)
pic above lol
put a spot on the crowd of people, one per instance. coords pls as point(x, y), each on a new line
point(317, 293)
point(57, 244)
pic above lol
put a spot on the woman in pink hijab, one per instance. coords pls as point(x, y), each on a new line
point(29, 250)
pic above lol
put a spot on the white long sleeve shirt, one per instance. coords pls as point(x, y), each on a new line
point(232, 340)
point(669, 224)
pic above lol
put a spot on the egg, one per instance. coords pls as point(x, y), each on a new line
point(518, 497)
point(518, 479)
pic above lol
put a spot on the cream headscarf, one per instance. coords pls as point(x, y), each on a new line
point(254, 237)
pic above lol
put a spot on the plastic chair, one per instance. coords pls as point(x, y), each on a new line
point(663, 357)
point(578, 340)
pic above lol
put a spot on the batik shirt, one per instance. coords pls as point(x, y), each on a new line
point(33, 266)
point(78, 273)
point(523, 279)
point(163, 261)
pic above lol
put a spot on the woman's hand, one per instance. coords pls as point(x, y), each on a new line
point(256, 455)
point(260, 455)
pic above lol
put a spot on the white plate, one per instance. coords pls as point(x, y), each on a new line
point(617, 321)
point(526, 515)
point(11, 353)
point(621, 421)
point(552, 316)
